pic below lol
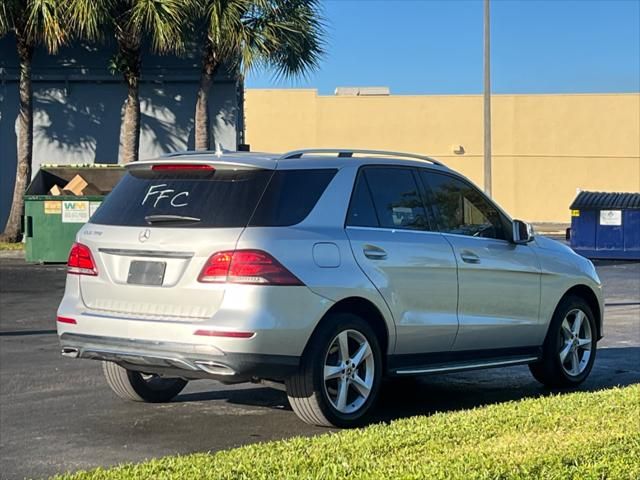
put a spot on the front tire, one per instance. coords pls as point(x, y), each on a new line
point(570, 347)
point(340, 374)
point(138, 387)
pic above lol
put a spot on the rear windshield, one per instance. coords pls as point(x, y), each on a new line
point(218, 199)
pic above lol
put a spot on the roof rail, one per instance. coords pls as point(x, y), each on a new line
point(349, 152)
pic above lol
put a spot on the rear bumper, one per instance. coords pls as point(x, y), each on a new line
point(184, 360)
point(281, 318)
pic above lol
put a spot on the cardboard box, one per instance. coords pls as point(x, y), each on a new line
point(55, 191)
point(76, 185)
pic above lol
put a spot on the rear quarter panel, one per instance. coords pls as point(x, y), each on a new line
point(294, 248)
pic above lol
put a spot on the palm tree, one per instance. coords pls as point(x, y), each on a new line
point(33, 22)
point(284, 35)
point(131, 22)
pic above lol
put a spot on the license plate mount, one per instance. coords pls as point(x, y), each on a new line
point(146, 273)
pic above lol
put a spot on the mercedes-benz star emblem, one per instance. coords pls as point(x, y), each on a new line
point(144, 235)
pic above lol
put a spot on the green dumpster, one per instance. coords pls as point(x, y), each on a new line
point(52, 221)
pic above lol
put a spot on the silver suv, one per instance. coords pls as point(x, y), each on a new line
point(323, 270)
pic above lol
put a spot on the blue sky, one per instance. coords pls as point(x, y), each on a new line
point(435, 47)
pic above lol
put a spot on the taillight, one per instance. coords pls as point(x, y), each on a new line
point(81, 261)
point(216, 268)
point(246, 266)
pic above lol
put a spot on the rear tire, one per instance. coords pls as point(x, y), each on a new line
point(340, 374)
point(569, 350)
point(138, 387)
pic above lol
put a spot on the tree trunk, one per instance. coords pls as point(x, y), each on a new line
point(12, 231)
point(131, 122)
point(129, 53)
point(209, 67)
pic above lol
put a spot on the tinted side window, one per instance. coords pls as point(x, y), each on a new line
point(461, 209)
point(362, 213)
point(396, 198)
point(290, 197)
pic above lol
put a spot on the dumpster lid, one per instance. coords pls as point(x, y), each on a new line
point(605, 200)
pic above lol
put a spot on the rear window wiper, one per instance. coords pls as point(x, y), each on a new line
point(151, 219)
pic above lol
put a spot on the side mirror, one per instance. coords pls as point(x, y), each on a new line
point(522, 232)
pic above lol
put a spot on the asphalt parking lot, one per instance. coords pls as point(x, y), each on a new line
point(57, 414)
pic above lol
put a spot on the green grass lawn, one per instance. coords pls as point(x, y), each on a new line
point(573, 436)
point(11, 246)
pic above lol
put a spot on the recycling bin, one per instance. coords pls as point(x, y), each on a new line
point(606, 225)
point(54, 215)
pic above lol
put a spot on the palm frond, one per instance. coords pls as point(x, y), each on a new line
point(163, 21)
point(8, 9)
point(295, 38)
point(44, 23)
point(87, 18)
point(284, 35)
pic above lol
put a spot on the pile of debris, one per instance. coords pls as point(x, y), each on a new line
point(76, 186)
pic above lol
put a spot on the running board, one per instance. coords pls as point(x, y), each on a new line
point(465, 366)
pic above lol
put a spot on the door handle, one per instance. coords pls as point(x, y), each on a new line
point(374, 253)
point(470, 257)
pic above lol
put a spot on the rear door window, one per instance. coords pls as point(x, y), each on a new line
point(290, 197)
point(216, 199)
point(396, 198)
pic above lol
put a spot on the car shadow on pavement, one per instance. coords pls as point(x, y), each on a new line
point(258, 396)
point(402, 398)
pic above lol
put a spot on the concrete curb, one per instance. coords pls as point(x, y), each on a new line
point(12, 254)
point(551, 228)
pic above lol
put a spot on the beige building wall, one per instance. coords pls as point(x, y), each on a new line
point(545, 147)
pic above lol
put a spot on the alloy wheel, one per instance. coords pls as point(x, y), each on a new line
point(575, 342)
point(349, 371)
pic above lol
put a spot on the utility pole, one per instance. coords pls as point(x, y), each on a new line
point(487, 100)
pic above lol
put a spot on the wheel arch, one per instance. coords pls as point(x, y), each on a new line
point(365, 309)
point(588, 295)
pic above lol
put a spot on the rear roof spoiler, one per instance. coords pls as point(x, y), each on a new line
point(223, 162)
